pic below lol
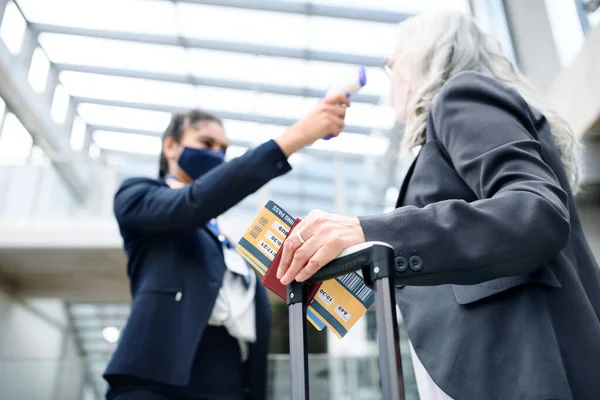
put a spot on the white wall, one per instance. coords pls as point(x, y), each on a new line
point(38, 360)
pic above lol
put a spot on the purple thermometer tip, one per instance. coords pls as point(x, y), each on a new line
point(362, 76)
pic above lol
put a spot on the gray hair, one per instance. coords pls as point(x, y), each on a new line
point(440, 45)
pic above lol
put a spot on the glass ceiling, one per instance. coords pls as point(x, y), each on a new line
point(128, 64)
point(114, 79)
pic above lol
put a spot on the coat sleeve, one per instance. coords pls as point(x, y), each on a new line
point(144, 205)
point(520, 219)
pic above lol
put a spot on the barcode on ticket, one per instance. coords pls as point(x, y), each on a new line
point(257, 229)
point(355, 285)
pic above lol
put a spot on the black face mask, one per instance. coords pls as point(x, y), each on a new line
point(197, 162)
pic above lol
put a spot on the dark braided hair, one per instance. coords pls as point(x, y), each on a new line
point(175, 131)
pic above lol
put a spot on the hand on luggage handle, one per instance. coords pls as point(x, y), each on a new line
point(375, 259)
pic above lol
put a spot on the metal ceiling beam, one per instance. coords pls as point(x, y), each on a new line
point(310, 9)
point(262, 119)
point(206, 44)
point(582, 14)
point(212, 82)
point(34, 113)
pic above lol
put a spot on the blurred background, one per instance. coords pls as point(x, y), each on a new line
point(87, 87)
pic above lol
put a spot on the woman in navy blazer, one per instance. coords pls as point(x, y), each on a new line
point(497, 286)
point(175, 344)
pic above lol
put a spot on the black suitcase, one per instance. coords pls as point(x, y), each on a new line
point(376, 261)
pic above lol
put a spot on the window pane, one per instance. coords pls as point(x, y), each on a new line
point(283, 106)
point(60, 104)
point(211, 98)
point(248, 26)
point(594, 17)
point(203, 63)
point(354, 143)
point(566, 29)
point(128, 142)
point(128, 89)
point(216, 99)
point(370, 116)
point(113, 53)
point(398, 5)
point(38, 157)
point(38, 71)
point(122, 117)
point(156, 92)
point(359, 114)
point(298, 159)
point(280, 71)
point(12, 28)
point(248, 68)
point(235, 151)
point(251, 132)
point(354, 37)
point(248, 133)
point(94, 151)
point(154, 17)
point(78, 134)
point(15, 141)
point(221, 64)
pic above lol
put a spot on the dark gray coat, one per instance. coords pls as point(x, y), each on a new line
point(502, 295)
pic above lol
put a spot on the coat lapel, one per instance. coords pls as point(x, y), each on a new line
point(212, 232)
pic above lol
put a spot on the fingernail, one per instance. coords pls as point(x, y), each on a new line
point(279, 273)
point(300, 277)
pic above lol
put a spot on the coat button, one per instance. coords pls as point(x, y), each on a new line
point(415, 263)
point(178, 296)
point(401, 264)
point(279, 165)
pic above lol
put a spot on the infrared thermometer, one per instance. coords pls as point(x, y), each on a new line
point(348, 85)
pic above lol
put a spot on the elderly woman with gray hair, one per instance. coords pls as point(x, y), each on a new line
point(497, 285)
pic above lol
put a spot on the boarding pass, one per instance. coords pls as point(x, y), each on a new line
point(338, 304)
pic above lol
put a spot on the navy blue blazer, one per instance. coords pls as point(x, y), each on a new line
point(176, 266)
point(502, 293)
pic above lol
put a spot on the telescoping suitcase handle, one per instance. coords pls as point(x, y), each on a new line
point(376, 261)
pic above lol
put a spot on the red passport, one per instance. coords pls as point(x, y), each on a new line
point(271, 282)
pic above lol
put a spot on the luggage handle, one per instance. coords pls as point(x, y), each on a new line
point(378, 255)
point(376, 261)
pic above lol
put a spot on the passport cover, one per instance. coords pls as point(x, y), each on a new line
point(271, 282)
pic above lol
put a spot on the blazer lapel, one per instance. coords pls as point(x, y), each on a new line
point(212, 233)
point(406, 179)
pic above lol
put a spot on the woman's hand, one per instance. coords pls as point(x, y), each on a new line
point(326, 118)
point(314, 242)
